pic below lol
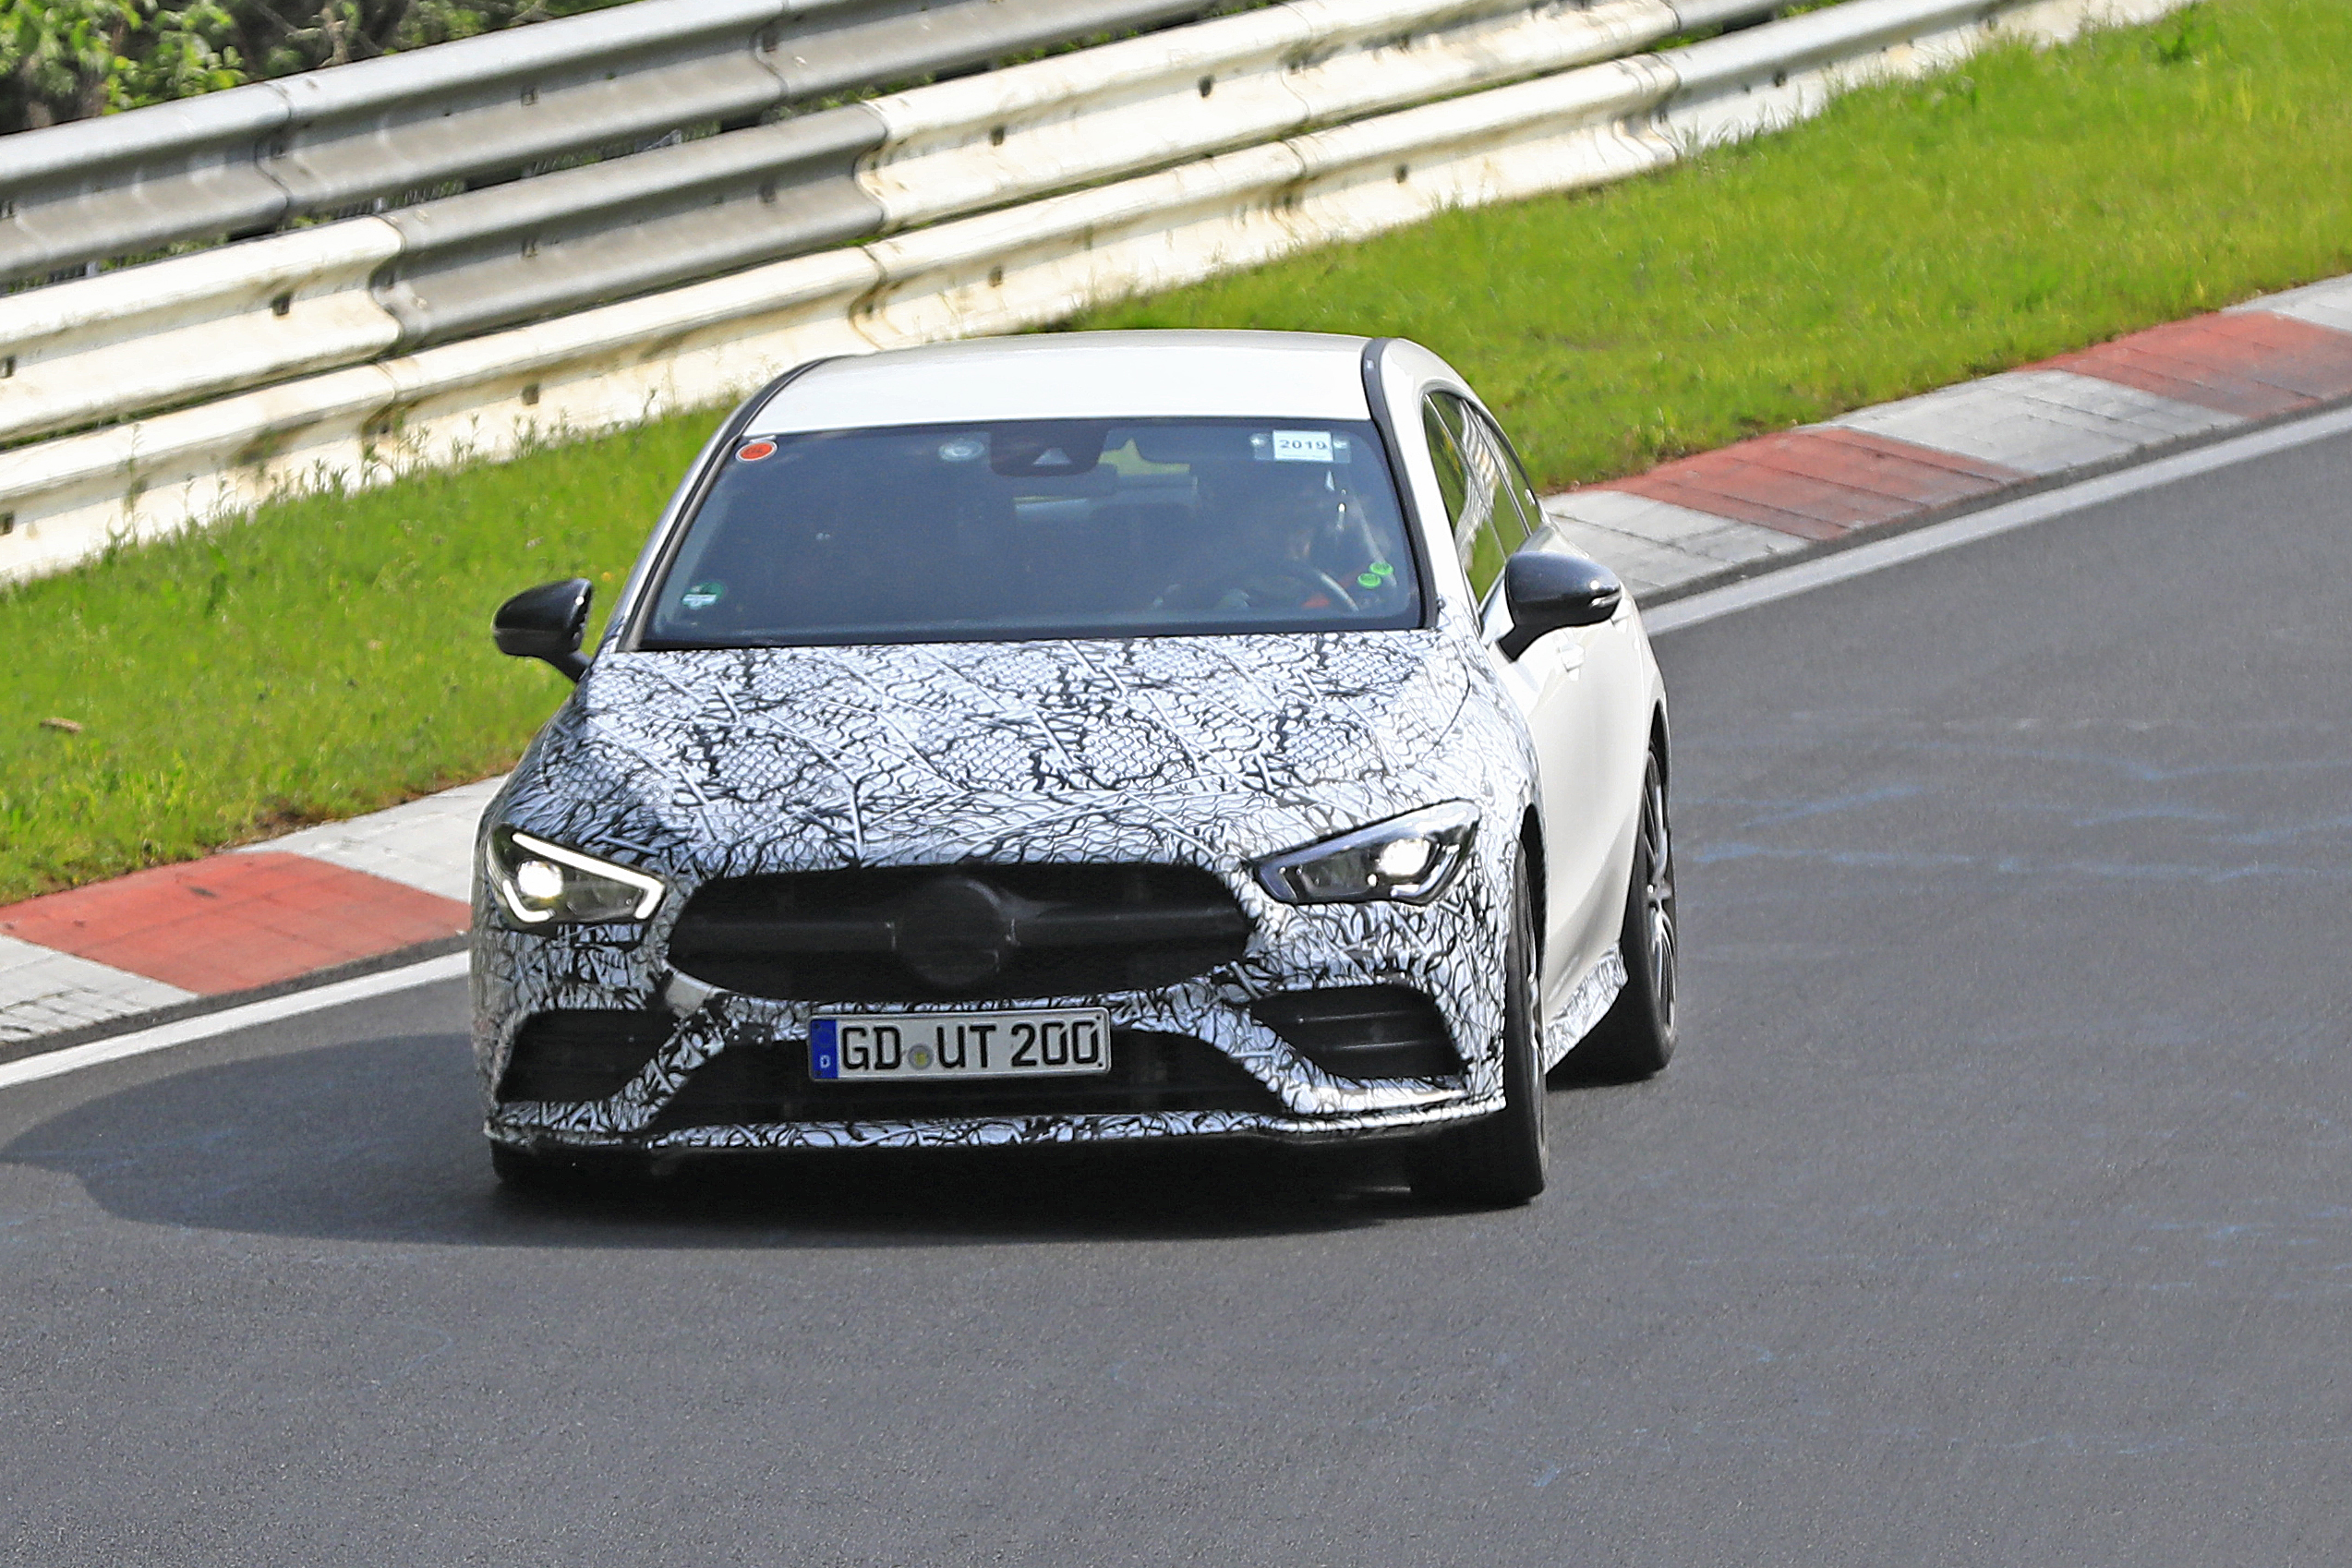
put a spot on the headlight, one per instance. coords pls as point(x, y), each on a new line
point(1410, 858)
point(539, 883)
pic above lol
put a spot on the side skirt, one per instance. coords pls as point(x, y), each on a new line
point(1585, 1006)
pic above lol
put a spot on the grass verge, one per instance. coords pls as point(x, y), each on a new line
point(328, 657)
point(332, 656)
point(1914, 235)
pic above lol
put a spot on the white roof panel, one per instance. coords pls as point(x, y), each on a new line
point(1079, 375)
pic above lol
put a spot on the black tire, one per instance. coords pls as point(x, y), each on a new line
point(570, 1172)
point(1501, 1161)
point(1635, 1038)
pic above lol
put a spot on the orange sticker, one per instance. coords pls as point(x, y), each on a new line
point(754, 451)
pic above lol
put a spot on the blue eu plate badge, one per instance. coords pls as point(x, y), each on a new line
point(824, 1049)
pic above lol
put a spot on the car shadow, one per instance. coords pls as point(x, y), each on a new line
point(380, 1140)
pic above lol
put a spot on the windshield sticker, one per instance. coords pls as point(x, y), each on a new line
point(1375, 575)
point(701, 595)
point(1302, 446)
point(963, 449)
point(756, 451)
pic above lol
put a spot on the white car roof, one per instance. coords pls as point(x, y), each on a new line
point(1079, 375)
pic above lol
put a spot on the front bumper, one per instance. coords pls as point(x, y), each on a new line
point(977, 1132)
point(1449, 951)
point(1301, 1100)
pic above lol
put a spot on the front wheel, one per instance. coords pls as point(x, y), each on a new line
point(1635, 1038)
point(1501, 1161)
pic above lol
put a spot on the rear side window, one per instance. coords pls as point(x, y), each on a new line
point(1031, 528)
point(1483, 488)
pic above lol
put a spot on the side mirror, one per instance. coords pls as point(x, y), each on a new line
point(546, 622)
point(1548, 589)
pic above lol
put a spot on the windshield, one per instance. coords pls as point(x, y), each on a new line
point(1101, 528)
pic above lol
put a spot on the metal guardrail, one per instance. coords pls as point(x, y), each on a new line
point(247, 160)
point(148, 338)
point(1031, 261)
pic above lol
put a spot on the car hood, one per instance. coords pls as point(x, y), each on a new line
point(732, 761)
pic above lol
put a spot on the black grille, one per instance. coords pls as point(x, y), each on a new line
point(982, 932)
point(1364, 1031)
point(1149, 1071)
point(580, 1054)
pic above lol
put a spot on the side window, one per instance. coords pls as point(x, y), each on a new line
point(1515, 480)
point(1478, 480)
point(1453, 480)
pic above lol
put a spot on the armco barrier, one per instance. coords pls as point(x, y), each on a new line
point(100, 348)
point(385, 130)
point(999, 271)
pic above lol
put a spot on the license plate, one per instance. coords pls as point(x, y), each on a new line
point(1046, 1043)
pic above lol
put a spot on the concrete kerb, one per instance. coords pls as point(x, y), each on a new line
point(204, 1006)
point(1799, 553)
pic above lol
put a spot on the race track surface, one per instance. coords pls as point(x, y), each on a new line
point(1996, 1212)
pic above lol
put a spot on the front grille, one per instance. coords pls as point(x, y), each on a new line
point(1364, 1031)
point(980, 932)
point(1149, 1071)
point(580, 1054)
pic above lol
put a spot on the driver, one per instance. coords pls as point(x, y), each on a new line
point(1264, 560)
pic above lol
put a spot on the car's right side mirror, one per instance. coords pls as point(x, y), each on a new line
point(1547, 590)
point(546, 622)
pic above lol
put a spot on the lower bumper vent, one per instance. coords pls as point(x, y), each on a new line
point(1364, 1031)
point(580, 1054)
point(1149, 1071)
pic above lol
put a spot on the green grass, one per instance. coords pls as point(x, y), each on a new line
point(332, 656)
point(1914, 236)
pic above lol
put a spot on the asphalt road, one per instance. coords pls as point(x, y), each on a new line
point(1996, 1213)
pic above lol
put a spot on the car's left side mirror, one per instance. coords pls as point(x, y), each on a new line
point(546, 622)
point(1547, 590)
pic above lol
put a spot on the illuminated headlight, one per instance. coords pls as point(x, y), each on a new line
point(1410, 859)
point(540, 883)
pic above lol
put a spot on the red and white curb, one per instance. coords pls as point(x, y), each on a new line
point(326, 896)
point(313, 901)
point(1723, 514)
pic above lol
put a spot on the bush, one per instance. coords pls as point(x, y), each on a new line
point(69, 59)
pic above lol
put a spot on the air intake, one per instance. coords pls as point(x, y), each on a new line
point(580, 1054)
point(748, 1084)
point(1364, 1031)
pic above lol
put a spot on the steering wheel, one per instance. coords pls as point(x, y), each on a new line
point(1303, 573)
